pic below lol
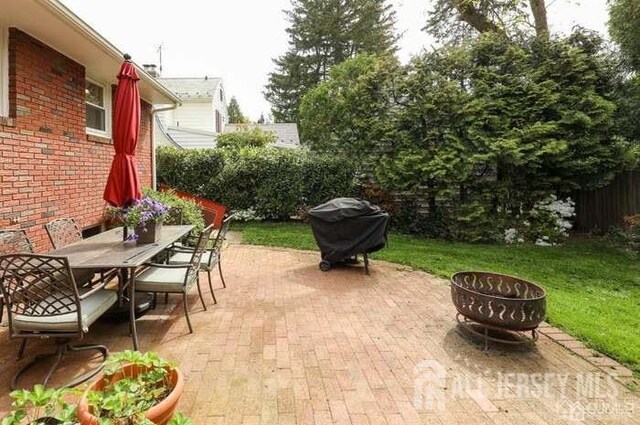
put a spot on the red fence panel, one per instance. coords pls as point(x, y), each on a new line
point(212, 211)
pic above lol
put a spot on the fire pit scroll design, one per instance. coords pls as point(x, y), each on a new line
point(498, 302)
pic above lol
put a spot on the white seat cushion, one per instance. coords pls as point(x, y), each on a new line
point(185, 258)
point(158, 279)
point(92, 308)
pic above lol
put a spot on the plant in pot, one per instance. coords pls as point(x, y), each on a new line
point(41, 406)
point(143, 216)
point(135, 388)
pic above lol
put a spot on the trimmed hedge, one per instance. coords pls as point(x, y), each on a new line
point(188, 169)
point(276, 183)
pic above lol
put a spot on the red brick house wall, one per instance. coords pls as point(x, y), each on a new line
point(49, 166)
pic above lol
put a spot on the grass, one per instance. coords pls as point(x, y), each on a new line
point(593, 292)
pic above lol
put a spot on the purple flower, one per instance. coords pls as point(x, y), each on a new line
point(141, 212)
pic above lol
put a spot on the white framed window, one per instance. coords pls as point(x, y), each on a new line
point(4, 70)
point(98, 106)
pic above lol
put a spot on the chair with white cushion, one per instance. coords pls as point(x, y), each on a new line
point(11, 242)
point(176, 278)
point(65, 231)
point(43, 301)
point(211, 257)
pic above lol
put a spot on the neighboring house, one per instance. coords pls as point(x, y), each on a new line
point(286, 133)
point(57, 78)
point(201, 116)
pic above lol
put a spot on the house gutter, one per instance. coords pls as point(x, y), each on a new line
point(154, 112)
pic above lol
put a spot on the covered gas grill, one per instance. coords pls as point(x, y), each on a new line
point(346, 227)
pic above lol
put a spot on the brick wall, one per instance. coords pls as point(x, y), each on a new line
point(49, 167)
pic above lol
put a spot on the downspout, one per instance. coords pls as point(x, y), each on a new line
point(154, 111)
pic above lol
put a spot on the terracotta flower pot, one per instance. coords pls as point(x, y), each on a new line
point(158, 414)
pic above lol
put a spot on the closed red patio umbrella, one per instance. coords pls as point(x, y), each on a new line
point(123, 185)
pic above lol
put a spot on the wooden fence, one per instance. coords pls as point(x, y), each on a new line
point(605, 207)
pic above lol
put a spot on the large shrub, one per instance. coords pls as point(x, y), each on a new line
point(275, 183)
point(351, 109)
point(188, 169)
point(247, 136)
point(476, 134)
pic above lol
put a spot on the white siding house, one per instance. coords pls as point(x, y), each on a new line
point(286, 133)
point(202, 115)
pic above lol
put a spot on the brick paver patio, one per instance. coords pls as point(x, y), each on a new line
point(289, 344)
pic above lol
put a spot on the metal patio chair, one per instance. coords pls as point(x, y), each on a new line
point(43, 301)
point(13, 241)
point(173, 218)
point(65, 231)
point(176, 278)
point(211, 258)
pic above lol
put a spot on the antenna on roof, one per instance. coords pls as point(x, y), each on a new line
point(160, 56)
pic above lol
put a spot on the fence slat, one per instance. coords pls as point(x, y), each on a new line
point(605, 207)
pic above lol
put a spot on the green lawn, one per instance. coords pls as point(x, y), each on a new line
point(593, 292)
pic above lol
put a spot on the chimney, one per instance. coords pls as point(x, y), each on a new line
point(152, 69)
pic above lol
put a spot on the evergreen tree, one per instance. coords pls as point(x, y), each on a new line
point(624, 28)
point(624, 16)
point(235, 113)
point(349, 113)
point(452, 21)
point(324, 33)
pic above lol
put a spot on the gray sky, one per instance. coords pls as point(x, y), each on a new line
point(237, 39)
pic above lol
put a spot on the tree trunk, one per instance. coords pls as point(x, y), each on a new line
point(475, 18)
point(539, 11)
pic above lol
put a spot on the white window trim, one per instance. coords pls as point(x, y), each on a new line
point(107, 110)
point(4, 70)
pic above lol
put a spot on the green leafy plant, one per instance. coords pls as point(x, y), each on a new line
point(189, 169)
point(477, 134)
point(127, 396)
point(191, 212)
point(273, 183)
point(39, 406)
point(247, 136)
point(626, 238)
point(180, 419)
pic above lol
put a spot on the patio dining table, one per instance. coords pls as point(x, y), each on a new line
point(108, 251)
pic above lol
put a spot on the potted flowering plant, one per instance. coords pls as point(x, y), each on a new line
point(135, 389)
point(144, 217)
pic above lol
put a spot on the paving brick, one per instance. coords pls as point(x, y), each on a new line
point(288, 344)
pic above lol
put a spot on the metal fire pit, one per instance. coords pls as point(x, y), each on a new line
point(495, 302)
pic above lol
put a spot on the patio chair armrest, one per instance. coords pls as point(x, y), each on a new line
point(193, 239)
point(168, 266)
point(94, 288)
point(187, 249)
point(178, 248)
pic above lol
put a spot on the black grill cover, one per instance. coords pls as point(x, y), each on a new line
point(344, 227)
